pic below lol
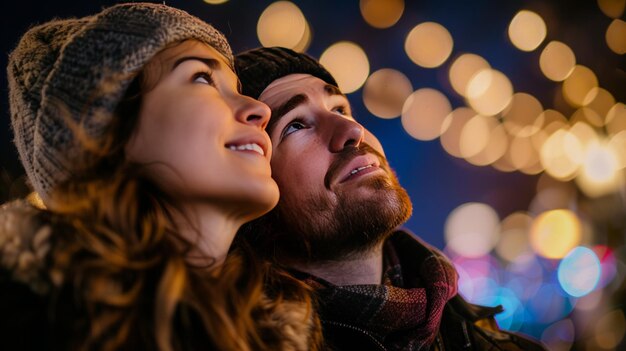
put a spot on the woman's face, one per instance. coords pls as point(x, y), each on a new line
point(200, 139)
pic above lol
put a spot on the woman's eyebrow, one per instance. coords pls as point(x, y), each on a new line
point(210, 62)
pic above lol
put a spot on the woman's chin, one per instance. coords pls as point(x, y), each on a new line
point(264, 200)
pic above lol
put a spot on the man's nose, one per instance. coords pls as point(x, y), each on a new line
point(344, 132)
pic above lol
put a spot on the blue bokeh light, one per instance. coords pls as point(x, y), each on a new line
point(579, 272)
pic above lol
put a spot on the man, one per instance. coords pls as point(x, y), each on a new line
point(378, 288)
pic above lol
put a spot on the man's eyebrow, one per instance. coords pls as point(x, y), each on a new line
point(283, 109)
point(210, 62)
point(333, 90)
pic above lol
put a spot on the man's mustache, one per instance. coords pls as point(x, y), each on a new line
point(346, 155)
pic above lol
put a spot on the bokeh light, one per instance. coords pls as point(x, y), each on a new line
point(612, 8)
point(616, 119)
point(552, 194)
point(557, 61)
point(584, 133)
point(587, 117)
point(607, 263)
point(561, 154)
point(463, 69)
point(489, 92)
point(504, 163)
point(348, 64)
point(477, 276)
point(424, 112)
point(618, 144)
point(514, 234)
point(483, 140)
point(548, 123)
point(471, 229)
point(579, 271)
point(610, 330)
point(381, 13)
point(454, 124)
point(600, 170)
point(281, 24)
point(600, 101)
point(525, 275)
point(577, 86)
point(305, 41)
point(616, 36)
point(385, 92)
point(590, 301)
point(523, 155)
point(475, 135)
point(521, 117)
point(527, 30)
point(428, 44)
point(512, 316)
point(559, 336)
point(549, 304)
point(554, 233)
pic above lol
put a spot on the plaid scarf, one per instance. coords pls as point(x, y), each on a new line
point(404, 312)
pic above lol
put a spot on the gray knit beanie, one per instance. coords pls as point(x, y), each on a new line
point(73, 72)
point(258, 68)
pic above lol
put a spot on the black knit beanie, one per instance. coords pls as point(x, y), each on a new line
point(258, 68)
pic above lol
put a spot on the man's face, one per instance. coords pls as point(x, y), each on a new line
point(338, 195)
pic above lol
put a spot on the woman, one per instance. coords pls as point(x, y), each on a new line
point(131, 128)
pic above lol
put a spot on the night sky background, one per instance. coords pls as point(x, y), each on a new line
point(437, 182)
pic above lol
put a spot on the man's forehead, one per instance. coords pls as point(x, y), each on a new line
point(285, 87)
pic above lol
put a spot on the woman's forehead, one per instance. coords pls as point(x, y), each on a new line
point(191, 47)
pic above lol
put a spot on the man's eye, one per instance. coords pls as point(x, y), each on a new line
point(342, 110)
point(293, 126)
point(203, 78)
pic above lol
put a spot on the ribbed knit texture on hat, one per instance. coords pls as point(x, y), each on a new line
point(258, 68)
point(74, 72)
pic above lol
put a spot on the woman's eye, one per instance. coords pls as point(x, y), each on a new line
point(203, 78)
point(293, 127)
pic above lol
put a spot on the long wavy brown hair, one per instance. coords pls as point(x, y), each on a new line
point(125, 280)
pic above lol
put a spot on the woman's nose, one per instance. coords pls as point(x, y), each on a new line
point(254, 112)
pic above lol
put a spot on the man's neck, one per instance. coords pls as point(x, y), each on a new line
point(365, 268)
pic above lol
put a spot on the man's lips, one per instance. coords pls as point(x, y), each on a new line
point(358, 166)
point(363, 159)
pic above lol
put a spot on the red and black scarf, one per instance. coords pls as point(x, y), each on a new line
point(404, 313)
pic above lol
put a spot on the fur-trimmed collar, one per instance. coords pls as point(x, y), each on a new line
point(25, 244)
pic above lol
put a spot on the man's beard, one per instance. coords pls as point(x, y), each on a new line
point(317, 230)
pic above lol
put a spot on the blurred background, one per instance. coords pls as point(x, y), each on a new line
point(505, 121)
